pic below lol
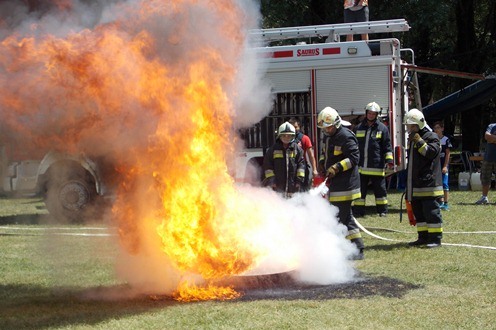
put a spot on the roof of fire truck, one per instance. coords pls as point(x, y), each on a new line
point(304, 43)
point(330, 31)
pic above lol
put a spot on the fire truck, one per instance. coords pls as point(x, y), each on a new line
point(70, 184)
point(305, 77)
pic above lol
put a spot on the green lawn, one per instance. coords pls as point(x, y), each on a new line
point(452, 287)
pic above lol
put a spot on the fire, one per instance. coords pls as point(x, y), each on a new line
point(153, 93)
point(189, 292)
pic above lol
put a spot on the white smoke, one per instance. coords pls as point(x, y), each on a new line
point(303, 235)
point(254, 98)
point(302, 231)
point(300, 235)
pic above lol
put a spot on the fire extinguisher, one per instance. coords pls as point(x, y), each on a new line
point(409, 211)
point(320, 185)
point(317, 180)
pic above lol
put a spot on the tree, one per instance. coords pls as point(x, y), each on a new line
point(446, 34)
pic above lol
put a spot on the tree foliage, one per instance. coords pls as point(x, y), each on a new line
point(446, 34)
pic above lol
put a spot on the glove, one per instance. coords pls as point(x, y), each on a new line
point(299, 183)
point(320, 168)
point(389, 165)
point(332, 171)
point(415, 137)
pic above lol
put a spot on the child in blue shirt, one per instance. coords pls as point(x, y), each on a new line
point(445, 159)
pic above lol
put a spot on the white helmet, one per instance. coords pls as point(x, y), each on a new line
point(328, 117)
point(286, 128)
point(372, 106)
point(415, 117)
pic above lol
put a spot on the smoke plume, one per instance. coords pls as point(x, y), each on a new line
point(155, 91)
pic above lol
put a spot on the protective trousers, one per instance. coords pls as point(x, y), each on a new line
point(347, 219)
point(429, 220)
point(379, 187)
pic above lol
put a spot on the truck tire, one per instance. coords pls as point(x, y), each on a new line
point(70, 199)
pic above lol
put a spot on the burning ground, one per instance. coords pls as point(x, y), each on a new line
point(158, 89)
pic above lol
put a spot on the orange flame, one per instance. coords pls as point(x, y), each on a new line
point(189, 292)
point(157, 102)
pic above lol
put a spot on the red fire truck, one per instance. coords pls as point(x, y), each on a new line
point(306, 77)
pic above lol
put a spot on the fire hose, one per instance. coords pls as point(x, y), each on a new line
point(320, 188)
point(362, 228)
point(411, 219)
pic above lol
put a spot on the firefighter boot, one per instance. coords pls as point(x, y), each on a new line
point(434, 240)
point(382, 210)
point(422, 239)
point(359, 244)
point(358, 211)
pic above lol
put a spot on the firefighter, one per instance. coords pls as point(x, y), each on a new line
point(424, 183)
point(375, 156)
point(284, 165)
point(305, 143)
point(338, 162)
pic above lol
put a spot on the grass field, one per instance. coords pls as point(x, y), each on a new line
point(452, 287)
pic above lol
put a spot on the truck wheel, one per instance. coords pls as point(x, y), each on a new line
point(70, 200)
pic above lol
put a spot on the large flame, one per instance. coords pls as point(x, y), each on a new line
point(151, 91)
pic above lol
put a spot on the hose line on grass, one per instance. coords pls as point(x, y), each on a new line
point(362, 228)
point(445, 232)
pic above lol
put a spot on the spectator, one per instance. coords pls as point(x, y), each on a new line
point(445, 160)
point(283, 165)
point(356, 11)
point(376, 154)
point(306, 144)
point(489, 163)
point(338, 163)
point(424, 185)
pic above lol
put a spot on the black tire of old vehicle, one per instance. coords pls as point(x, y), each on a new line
point(70, 198)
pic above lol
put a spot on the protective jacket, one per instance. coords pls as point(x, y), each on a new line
point(375, 148)
point(424, 180)
point(284, 167)
point(341, 149)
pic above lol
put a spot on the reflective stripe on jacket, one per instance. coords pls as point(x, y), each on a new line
point(424, 178)
point(374, 143)
point(285, 166)
point(342, 149)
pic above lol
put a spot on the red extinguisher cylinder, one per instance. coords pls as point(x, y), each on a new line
point(409, 211)
point(317, 180)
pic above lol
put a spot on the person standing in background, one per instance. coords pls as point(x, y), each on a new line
point(283, 165)
point(376, 154)
point(306, 144)
point(424, 184)
point(445, 160)
point(489, 163)
point(356, 11)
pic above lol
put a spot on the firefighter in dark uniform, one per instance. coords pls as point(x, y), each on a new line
point(376, 154)
point(284, 165)
point(339, 163)
point(424, 184)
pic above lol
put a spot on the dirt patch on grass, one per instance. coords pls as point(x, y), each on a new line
point(283, 286)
